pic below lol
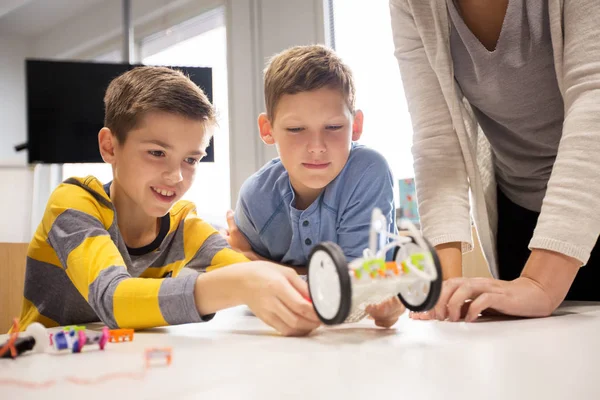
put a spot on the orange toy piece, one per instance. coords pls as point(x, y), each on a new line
point(120, 335)
point(154, 353)
point(10, 343)
point(393, 266)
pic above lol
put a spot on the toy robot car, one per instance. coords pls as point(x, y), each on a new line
point(340, 291)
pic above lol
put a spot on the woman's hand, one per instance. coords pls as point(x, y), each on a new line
point(539, 290)
point(521, 297)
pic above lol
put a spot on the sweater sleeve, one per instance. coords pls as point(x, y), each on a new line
point(570, 222)
point(440, 173)
point(210, 250)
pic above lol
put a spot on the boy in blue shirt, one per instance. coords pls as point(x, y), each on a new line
point(323, 186)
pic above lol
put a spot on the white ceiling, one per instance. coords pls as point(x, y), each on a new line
point(31, 18)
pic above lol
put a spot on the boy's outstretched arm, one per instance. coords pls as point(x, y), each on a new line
point(94, 265)
point(276, 295)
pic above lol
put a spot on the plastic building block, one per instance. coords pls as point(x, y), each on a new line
point(120, 335)
point(158, 356)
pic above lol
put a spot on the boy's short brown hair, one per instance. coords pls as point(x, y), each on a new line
point(145, 89)
point(305, 68)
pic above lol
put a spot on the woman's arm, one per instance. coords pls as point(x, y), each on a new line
point(441, 178)
point(570, 222)
point(442, 186)
point(450, 255)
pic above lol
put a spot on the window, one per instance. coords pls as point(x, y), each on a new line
point(201, 42)
point(113, 56)
point(363, 39)
point(198, 42)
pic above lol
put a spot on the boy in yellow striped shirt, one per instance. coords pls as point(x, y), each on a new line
point(114, 252)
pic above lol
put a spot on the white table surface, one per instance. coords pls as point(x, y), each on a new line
point(236, 356)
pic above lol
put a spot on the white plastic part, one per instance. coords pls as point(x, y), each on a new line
point(325, 284)
point(40, 334)
point(378, 225)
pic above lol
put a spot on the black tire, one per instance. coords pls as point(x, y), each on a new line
point(339, 259)
point(435, 287)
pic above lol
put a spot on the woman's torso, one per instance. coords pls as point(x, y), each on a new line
point(504, 65)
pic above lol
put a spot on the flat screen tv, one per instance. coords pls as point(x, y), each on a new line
point(65, 108)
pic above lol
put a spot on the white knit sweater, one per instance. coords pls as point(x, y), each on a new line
point(452, 158)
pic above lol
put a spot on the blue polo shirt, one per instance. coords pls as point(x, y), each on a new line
point(276, 230)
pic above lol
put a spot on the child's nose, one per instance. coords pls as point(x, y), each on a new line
point(317, 143)
point(173, 175)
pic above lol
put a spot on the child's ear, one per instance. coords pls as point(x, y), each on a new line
point(265, 129)
point(107, 143)
point(357, 125)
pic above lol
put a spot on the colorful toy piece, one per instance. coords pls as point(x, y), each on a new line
point(340, 292)
point(73, 338)
point(120, 335)
point(163, 355)
point(68, 340)
point(99, 338)
point(75, 328)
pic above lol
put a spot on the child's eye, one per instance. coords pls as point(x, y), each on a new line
point(192, 160)
point(156, 153)
point(295, 130)
point(334, 127)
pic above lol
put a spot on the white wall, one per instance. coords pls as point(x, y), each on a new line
point(16, 184)
point(13, 51)
point(15, 177)
point(256, 30)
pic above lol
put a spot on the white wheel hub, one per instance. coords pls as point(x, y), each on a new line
point(414, 293)
point(325, 287)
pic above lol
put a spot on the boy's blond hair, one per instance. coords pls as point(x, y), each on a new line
point(141, 90)
point(305, 68)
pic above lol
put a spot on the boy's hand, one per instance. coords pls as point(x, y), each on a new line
point(423, 316)
point(234, 237)
point(387, 312)
point(279, 297)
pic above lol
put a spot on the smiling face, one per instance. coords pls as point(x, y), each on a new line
point(313, 132)
point(156, 164)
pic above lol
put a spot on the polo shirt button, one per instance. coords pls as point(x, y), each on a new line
point(308, 242)
point(305, 223)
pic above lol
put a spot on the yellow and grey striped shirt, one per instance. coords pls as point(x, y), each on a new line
point(79, 269)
